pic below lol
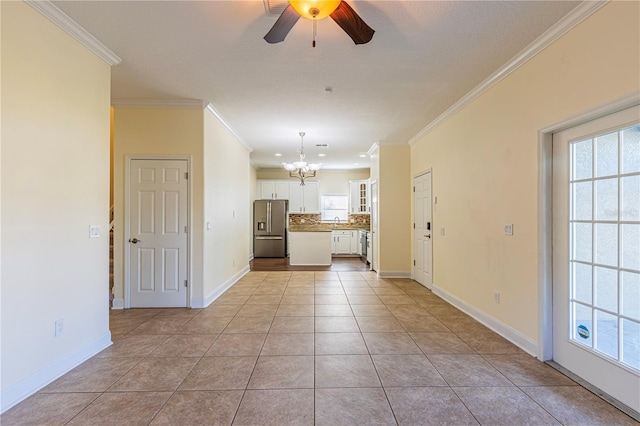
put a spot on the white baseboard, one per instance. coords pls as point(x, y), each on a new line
point(394, 274)
point(47, 374)
point(117, 303)
point(514, 336)
point(200, 303)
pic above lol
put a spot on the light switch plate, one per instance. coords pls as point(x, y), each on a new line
point(508, 229)
point(94, 231)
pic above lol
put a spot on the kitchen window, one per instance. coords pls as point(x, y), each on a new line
point(334, 206)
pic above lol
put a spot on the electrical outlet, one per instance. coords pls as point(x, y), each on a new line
point(508, 229)
point(496, 296)
point(94, 231)
point(442, 231)
point(59, 327)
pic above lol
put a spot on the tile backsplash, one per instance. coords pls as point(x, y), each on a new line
point(360, 219)
point(314, 219)
point(304, 219)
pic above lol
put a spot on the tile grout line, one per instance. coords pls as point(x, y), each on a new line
point(244, 391)
point(158, 314)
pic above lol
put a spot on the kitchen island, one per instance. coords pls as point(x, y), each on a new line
point(310, 248)
point(314, 244)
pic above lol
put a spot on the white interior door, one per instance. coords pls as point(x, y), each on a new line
point(158, 207)
point(374, 226)
point(422, 234)
point(596, 253)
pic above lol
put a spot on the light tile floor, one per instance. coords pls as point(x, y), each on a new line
point(325, 348)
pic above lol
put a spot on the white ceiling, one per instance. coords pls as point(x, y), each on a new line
point(424, 56)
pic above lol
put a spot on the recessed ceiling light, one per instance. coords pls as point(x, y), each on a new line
point(356, 164)
point(278, 155)
point(363, 155)
point(322, 155)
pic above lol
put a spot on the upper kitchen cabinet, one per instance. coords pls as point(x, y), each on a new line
point(304, 199)
point(273, 189)
point(359, 199)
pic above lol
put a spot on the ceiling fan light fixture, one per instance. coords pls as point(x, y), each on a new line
point(315, 9)
point(339, 10)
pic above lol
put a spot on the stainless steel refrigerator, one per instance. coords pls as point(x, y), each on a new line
point(270, 228)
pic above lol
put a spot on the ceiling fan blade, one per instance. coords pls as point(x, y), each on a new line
point(283, 25)
point(352, 24)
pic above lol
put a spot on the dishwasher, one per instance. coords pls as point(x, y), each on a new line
point(369, 251)
point(363, 245)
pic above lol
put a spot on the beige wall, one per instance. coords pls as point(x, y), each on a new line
point(394, 199)
point(253, 193)
point(111, 113)
point(55, 184)
point(160, 131)
point(227, 186)
point(485, 162)
point(336, 182)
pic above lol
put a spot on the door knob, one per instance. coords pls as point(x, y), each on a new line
point(428, 236)
point(134, 240)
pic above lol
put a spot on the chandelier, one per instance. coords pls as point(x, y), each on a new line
point(301, 169)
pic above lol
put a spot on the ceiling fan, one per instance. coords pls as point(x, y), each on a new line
point(315, 10)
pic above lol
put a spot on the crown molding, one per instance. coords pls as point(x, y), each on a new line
point(71, 27)
point(157, 103)
point(560, 28)
point(211, 110)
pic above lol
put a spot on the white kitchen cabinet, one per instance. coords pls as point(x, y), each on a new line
point(340, 242)
point(304, 199)
point(355, 242)
point(273, 189)
point(359, 199)
point(345, 242)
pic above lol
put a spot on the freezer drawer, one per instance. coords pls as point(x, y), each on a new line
point(269, 246)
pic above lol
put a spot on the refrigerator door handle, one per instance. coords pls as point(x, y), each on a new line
point(269, 217)
point(268, 238)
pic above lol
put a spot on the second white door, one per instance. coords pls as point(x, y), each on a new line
point(158, 205)
point(423, 241)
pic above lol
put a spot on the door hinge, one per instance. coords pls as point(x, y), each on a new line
point(186, 175)
point(186, 229)
point(414, 262)
point(414, 189)
point(185, 283)
point(414, 225)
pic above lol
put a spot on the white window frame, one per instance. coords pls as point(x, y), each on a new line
point(343, 214)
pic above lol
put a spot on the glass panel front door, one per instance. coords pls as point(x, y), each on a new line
point(596, 253)
point(605, 244)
